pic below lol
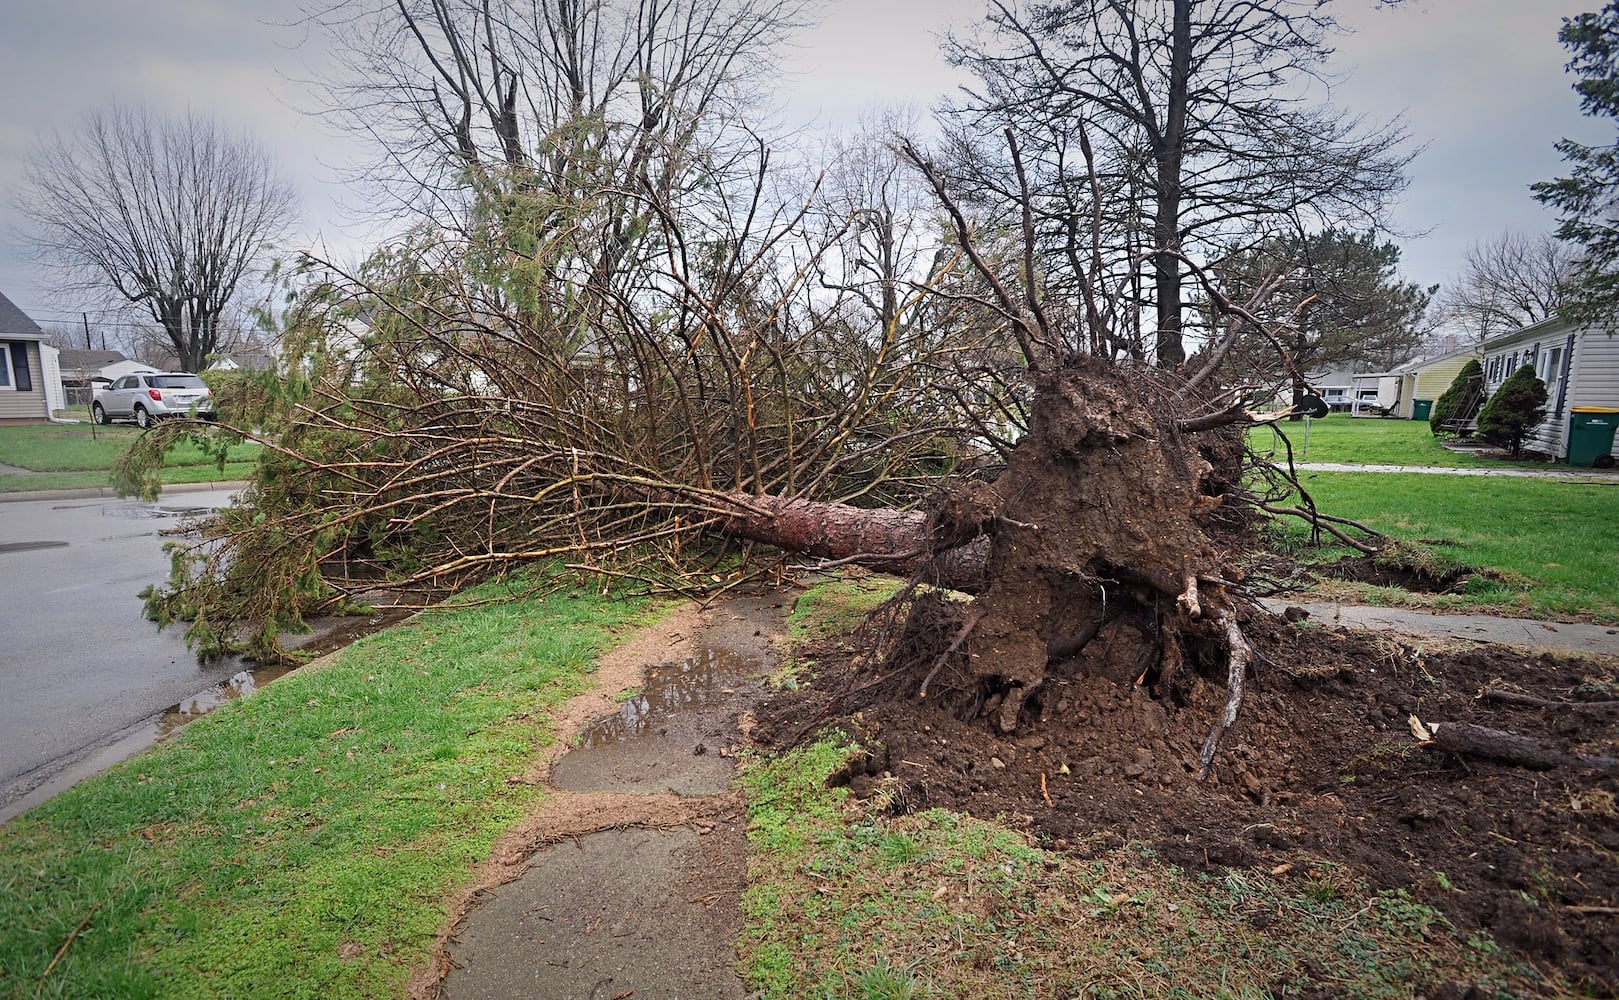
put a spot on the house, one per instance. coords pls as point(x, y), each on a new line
point(118, 369)
point(23, 397)
point(250, 358)
point(1331, 381)
point(1399, 390)
point(79, 368)
point(1580, 366)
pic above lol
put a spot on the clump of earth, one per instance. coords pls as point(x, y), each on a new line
point(1322, 764)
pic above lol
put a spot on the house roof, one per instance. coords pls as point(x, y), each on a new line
point(15, 324)
point(1417, 364)
point(1532, 330)
point(79, 360)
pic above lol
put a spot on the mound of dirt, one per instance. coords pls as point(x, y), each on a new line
point(1321, 766)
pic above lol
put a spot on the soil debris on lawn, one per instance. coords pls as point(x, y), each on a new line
point(1322, 766)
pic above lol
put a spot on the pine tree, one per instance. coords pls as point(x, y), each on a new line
point(1586, 196)
point(1444, 408)
point(1515, 409)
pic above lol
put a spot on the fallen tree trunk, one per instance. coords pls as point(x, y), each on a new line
point(893, 541)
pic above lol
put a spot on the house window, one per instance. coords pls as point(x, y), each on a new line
point(1550, 371)
point(6, 381)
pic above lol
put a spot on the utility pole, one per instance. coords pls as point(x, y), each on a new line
point(86, 318)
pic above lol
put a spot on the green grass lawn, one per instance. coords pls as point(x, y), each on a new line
point(1365, 441)
point(301, 842)
point(71, 456)
point(1549, 545)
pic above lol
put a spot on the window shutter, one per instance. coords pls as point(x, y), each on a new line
point(19, 366)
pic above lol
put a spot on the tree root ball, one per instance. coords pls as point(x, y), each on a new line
point(1098, 539)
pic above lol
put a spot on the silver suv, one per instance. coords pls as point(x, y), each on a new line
point(148, 396)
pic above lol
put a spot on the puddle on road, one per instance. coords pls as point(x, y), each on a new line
point(146, 511)
point(238, 685)
point(6, 547)
point(698, 682)
point(50, 779)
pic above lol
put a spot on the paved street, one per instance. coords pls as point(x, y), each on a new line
point(80, 669)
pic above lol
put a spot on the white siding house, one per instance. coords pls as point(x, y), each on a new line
point(1580, 366)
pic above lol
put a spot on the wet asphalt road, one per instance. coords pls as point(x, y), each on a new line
point(80, 667)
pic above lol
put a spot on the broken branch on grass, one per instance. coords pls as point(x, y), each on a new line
point(72, 937)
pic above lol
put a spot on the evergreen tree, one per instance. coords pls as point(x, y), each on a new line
point(1444, 408)
point(1515, 409)
point(1587, 197)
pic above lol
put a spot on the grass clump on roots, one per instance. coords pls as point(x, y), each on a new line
point(301, 842)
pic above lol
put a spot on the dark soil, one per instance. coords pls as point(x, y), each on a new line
point(1421, 580)
point(1321, 766)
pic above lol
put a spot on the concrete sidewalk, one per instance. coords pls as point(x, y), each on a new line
point(1522, 632)
point(1566, 474)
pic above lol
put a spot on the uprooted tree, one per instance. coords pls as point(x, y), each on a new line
point(628, 360)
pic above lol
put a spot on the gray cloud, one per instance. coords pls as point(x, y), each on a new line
point(1479, 81)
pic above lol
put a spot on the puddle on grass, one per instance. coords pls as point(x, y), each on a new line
point(706, 679)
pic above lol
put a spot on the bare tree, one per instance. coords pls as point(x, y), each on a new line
point(1200, 121)
point(1509, 282)
point(170, 214)
point(454, 92)
point(631, 390)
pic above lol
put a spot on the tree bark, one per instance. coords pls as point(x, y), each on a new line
point(1511, 748)
point(892, 541)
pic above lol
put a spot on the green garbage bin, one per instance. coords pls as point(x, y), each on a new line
point(1590, 434)
point(1421, 408)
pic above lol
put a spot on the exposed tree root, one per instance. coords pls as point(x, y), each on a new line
point(1509, 697)
point(1499, 745)
point(1237, 651)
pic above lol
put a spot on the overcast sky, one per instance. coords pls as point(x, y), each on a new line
point(1480, 83)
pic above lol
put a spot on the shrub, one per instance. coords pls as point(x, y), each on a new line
point(1514, 410)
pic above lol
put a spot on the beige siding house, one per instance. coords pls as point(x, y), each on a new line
point(1398, 389)
point(22, 371)
point(1579, 365)
point(1428, 379)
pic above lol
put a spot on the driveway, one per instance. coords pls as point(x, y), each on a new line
point(84, 678)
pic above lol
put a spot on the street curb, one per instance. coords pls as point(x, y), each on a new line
point(108, 493)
